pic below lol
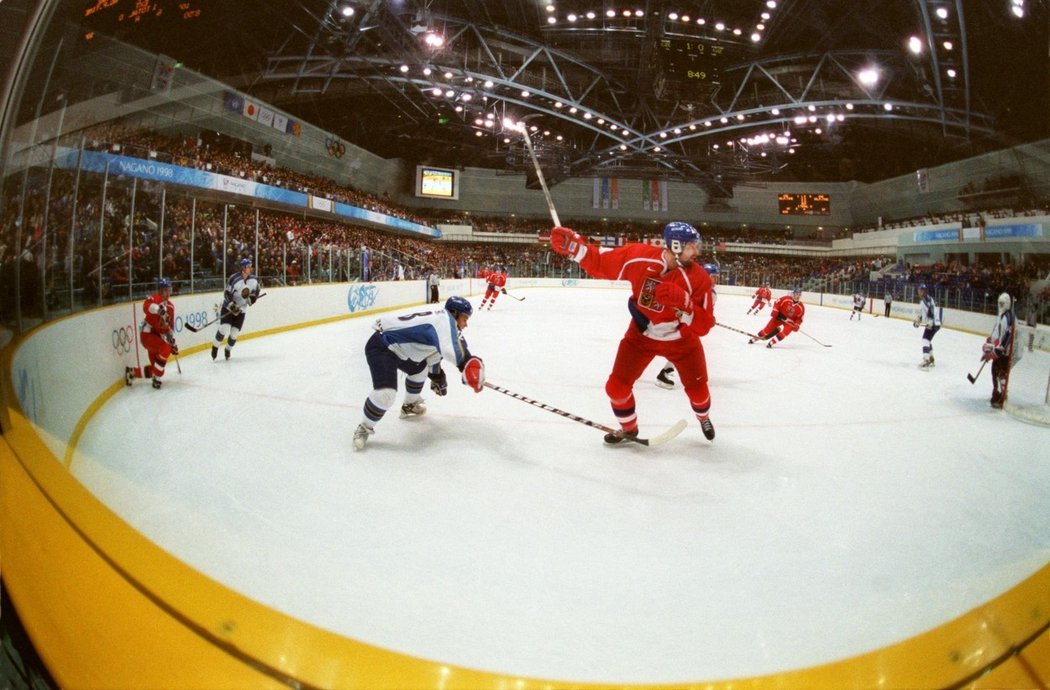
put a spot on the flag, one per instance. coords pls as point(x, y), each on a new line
point(647, 195)
point(280, 122)
point(163, 74)
point(614, 193)
point(596, 194)
point(250, 110)
point(295, 128)
point(232, 101)
point(265, 116)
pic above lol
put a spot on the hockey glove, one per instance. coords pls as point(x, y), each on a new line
point(567, 243)
point(252, 298)
point(438, 382)
point(474, 374)
point(917, 322)
point(670, 295)
point(174, 348)
point(503, 290)
point(233, 309)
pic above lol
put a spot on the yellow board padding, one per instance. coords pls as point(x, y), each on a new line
point(108, 608)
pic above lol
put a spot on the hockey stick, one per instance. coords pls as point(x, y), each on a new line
point(972, 378)
point(657, 440)
point(520, 299)
point(196, 329)
point(539, 175)
point(737, 330)
point(812, 338)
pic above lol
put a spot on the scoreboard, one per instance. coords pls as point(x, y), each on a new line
point(113, 15)
point(804, 204)
point(690, 64)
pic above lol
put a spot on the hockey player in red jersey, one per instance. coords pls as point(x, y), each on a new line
point(158, 337)
point(786, 318)
point(762, 295)
point(671, 307)
point(497, 280)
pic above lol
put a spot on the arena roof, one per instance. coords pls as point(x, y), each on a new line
point(711, 91)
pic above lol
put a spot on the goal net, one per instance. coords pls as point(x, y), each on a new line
point(1028, 390)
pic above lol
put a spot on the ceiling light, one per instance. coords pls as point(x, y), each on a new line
point(623, 147)
point(601, 121)
point(488, 84)
point(942, 13)
point(760, 27)
point(552, 20)
point(489, 116)
point(403, 68)
point(915, 45)
point(591, 15)
point(673, 16)
point(701, 21)
point(849, 106)
point(818, 130)
point(663, 135)
point(466, 97)
point(868, 76)
point(448, 75)
point(571, 17)
point(657, 149)
point(774, 111)
point(459, 108)
point(557, 104)
point(524, 94)
point(947, 45)
point(533, 128)
point(724, 120)
point(685, 17)
point(427, 71)
point(639, 13)
point(573, 111)
point(756, 37)
point(887, 107)
point(550, 8)
point(737, 32)
point(546, 132)
point(559, 137)
point(434, 40)
point(587, 116)
point(346, 11)
point(478, 134)
point(771, 4)
point(740, 117)
point(677, 130)
point(720, 26)
point(436, 91)
point(627, 13)
point(951, 73)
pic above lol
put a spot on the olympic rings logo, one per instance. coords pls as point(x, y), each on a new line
point(123, 339)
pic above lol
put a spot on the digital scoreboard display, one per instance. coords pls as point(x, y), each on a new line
point(437, 183)
point(804, 204)
point(690, 61)
point(117, 17)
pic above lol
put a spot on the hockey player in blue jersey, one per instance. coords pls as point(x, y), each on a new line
point(242, 289)
point(927, 318)
point(416, 344)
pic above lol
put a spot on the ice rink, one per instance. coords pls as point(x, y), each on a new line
point(850, 500)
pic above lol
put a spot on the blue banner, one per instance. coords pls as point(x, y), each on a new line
point(1025, 230)
point(937, 235)
point(99, 162)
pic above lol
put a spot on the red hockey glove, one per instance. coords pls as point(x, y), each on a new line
point(672, 296)
point(988, 352)
point(567, 243)
point(474, 374)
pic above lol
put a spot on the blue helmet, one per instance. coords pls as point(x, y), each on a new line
point(244, 262)
point(678, 234)
point(923, 286)
point(712, 269)
point(163, 283)
point(797, 291)
point(458, 305)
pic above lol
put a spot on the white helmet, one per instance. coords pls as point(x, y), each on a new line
point(1005, 303)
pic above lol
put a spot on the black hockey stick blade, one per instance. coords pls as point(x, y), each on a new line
point(972, 378)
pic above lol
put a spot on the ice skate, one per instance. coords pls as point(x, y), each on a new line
point(156, 383)
point(128, 375)
point(769, 345)
point(214, 352)
point(620, 436)
point(361, 435)
point(664, 380)
point(413, 409)
point(227, 353)
point(708, 429)
point(927, 362)
point(751, 341)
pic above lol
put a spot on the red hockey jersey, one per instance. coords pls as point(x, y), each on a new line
point(160, 315)
point(789, 309)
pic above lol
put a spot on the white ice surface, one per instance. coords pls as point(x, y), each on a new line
point(850, 500)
